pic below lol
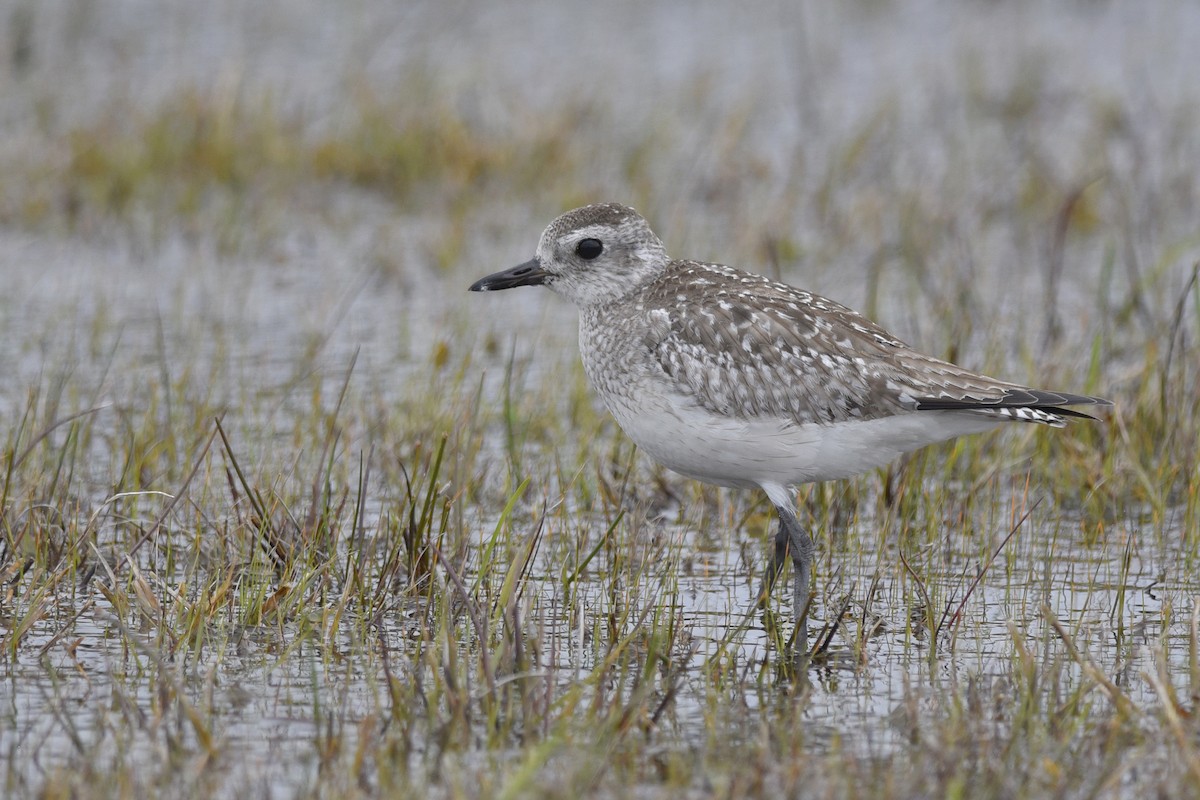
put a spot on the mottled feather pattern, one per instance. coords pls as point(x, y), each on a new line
point(742, 345)
point(734, 379)
point(763, 366)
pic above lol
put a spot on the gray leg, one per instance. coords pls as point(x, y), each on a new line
point(800, 544)
point(775, 566)
point(794, 540)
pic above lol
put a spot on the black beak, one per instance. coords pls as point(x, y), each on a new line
point(528, 274)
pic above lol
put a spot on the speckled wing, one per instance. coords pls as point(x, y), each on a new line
point(744, 346)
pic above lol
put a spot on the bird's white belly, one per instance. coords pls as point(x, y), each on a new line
point(743, 453)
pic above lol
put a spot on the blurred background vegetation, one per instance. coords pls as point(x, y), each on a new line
point(287, 512)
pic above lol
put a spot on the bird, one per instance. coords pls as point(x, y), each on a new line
point(733, 379)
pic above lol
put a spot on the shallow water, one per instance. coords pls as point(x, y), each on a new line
point(89, 318)
point(260, 696)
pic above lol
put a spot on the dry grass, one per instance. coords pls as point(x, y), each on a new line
point(471, 585)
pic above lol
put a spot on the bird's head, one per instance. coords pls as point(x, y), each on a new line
point(592, 255)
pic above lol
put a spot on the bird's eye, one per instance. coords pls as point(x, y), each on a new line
point(589, 249)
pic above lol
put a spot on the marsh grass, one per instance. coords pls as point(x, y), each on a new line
point(216, 162)
point(473, 585)
point(405, 644)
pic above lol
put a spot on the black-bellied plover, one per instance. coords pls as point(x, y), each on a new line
point(736, 380)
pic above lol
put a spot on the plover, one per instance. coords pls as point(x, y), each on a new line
point(737, 380)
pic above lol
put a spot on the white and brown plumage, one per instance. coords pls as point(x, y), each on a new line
point(737, 380)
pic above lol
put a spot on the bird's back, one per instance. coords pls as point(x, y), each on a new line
point(742, 345)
